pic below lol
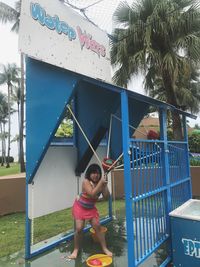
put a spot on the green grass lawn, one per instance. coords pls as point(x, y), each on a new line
point(14, 168)
point(12, 227)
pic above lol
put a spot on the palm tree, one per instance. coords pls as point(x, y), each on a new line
point(16, 97)
point(187, 90)
point(159, 38)
point(9, 75)
point(3, 121)
point(12, 15)
point(16, 139)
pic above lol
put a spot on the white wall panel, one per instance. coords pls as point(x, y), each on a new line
point(55, 184)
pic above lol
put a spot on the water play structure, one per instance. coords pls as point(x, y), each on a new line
point(67, 61)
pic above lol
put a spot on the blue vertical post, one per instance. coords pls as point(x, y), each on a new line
point(127, 178)
point(166, 174)
point(187, 153)
point(165, 156)
point(28, 227)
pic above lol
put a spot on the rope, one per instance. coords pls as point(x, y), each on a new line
point(128, 125)
point(114, 196)
point(115, 161)
point(141, 158)
point(78, 184)
point(84, 134)
point(109, 136)
point(136, 129)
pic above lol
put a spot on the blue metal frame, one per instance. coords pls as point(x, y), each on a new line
point(45, 105)
point(163, 136)
point(153, 181)
point(57, 242)
point(41, 95)
point(150, 198)
point(28, 228)
point(127, 178)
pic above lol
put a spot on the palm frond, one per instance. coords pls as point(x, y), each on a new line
point(7, 13)
point(121, 14)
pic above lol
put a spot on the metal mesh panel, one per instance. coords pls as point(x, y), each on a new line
point(147, 171)
point(177, 161)
point(179, 175)
point(149, 198)
point(149, 224)
point(180, 194)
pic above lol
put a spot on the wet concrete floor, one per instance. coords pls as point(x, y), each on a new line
point(116, 242)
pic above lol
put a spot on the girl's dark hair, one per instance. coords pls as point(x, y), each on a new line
point(92, 169)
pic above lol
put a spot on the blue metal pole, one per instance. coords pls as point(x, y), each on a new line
point(163, 136)
point(187, 154)
point(166, 174)
point(127, 178)
point(27, 228)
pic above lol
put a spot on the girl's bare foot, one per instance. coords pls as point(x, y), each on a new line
point(107, 252)
point(74, 255)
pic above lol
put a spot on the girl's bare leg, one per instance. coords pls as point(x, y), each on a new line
point(79, 224)
point(101, 237)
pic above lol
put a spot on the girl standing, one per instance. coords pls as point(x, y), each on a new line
point(84, 207)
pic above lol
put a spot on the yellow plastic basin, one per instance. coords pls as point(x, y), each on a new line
point(99, 260)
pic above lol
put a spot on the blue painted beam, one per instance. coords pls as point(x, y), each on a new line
point(139, 97)
point(127, 178)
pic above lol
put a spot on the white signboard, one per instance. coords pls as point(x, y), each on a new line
point(54, 33)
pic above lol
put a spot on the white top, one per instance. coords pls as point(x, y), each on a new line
point(189, 210)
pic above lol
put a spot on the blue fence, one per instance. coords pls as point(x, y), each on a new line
point(152, 192)
point(179, 173)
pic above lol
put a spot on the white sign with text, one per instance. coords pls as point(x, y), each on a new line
point(54, 33)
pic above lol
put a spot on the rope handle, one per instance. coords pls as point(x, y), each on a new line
point(83, 134)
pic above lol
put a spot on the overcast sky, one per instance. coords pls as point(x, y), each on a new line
point(9, 54)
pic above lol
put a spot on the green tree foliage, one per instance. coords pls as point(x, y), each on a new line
point(65, 129)
point(194, 162)
point(9, 76)
point(169, 135)
point(3, 121)
point(194, 142)
point(197, 126)
point(11, 15)
point(187, 90)
point(160, 39)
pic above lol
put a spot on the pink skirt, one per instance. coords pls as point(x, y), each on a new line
point(81, 213)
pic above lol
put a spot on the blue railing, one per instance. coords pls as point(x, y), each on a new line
point(179, 173)
point(150, 191)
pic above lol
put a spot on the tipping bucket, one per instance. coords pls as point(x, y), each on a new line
point(103, 230)
point(107, 163)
